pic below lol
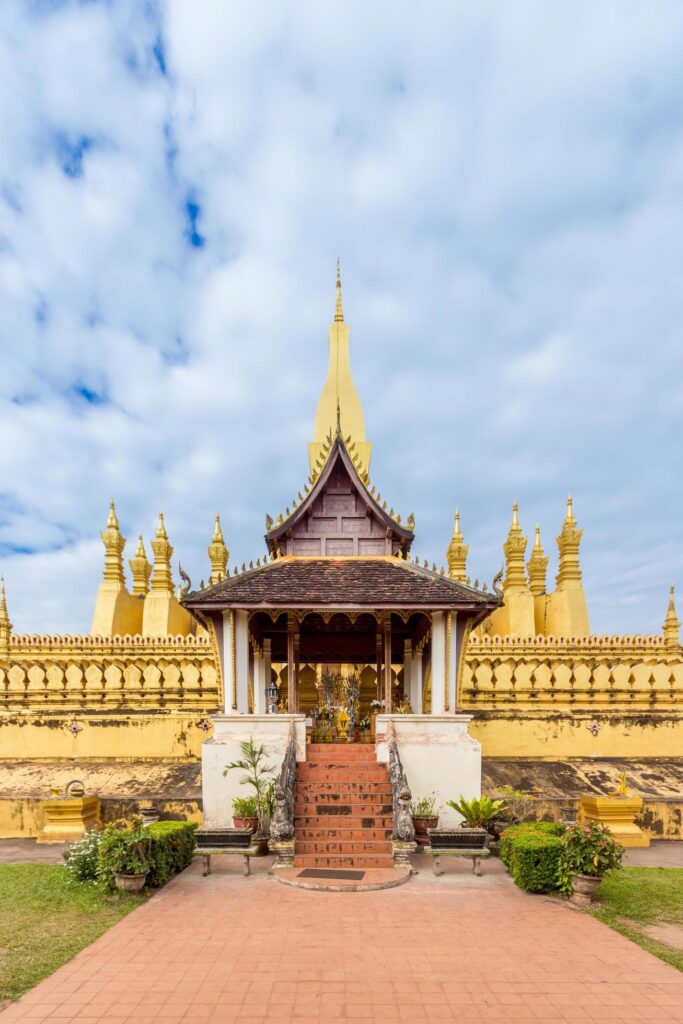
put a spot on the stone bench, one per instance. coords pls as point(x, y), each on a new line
point(453, 851)
point(207, 852)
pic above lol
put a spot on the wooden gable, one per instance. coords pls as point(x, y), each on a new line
point(339, 517)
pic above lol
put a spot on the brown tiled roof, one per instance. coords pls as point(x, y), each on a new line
point(334, 582)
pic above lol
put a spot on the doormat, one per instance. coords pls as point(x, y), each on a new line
point(351, 876)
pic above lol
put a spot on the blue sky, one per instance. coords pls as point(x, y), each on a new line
point(504, 186)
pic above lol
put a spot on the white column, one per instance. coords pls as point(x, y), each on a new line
point(242, 661)
point(438, 662)
point(416, 685)
point(408, 671)
point(267, 668)
point(451, 668)
point(259, 684)
point(229, 662)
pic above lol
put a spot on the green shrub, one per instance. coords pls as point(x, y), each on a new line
point(123, 849)
point(589, 849)
point(532, 853)
point(171, 846)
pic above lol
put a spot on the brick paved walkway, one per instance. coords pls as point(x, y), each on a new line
point(228, 949)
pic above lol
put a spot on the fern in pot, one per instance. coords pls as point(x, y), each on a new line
point(476, 814)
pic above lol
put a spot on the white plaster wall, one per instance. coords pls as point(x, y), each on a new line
point(224, 746)
point(438, 756)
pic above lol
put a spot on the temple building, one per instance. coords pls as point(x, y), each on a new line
point(337, 631)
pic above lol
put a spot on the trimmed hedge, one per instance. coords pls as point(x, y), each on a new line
point(171, 848)
point(532, 852)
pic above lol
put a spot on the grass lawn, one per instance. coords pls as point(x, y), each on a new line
point(634, 898)
point(44, 921)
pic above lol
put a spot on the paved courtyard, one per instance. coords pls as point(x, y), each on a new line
point(457, 948)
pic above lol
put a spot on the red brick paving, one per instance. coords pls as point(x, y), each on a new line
point(457, 948)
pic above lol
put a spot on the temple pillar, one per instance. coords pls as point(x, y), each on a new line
point(438, 663)
point(293, 664)
point(416, 682)
point(378, 642)
point(236, 662)
point(387, 665)
point(407, 671)
point(451, 662)
point(260, 682)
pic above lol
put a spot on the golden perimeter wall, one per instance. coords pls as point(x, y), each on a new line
point(77, 705)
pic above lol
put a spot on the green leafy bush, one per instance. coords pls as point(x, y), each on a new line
point(589, 848)
point(123, 849)
point(478, 811)
point(82, 857)
point(171, 846)
point(532, 853)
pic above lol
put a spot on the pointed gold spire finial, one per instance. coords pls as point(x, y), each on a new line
point(457, 553)
point(338, 312)
point(537, 566)
point(114, 544)
point(569, 518)
point(569, 574)
point(163, 552)
point(5, 624)
point(514, 548)
point(218, 554)
point(672, 626)
point(140, 568)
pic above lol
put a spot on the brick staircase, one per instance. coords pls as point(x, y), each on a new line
point(343, 811)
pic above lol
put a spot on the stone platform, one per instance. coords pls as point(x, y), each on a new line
point(373, 878)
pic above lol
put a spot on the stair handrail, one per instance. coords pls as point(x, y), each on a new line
point(402, 829)
point(282, 822)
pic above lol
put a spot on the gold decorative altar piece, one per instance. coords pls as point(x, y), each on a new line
point(617, 811)
point(68, 816)
point(343, 721)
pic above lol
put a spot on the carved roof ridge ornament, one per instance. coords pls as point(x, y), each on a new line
point(338, 450)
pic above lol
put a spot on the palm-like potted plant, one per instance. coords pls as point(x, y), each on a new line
point(476, 814)
point(257, 774)
point(425, 816)
point(590, 851)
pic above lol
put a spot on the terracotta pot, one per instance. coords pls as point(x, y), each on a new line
point(251, 823)
point(585, 889)
point(421, 825)
point(129, 883)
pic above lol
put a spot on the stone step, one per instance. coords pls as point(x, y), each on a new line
point(343, 821)
point(331, 848)
point(341, 771)
point(345, 789)
point(350, 751)
point(355, 809)
point(316, 860)
point(359, 836)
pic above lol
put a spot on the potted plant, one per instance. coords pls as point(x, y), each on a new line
point(476, 814)
point(423, 813)
point(590, 851)
point(257, 774)
point(517, 806)
point(123, 854)
point(376, 708)
point(245, 812)
point(364, 729)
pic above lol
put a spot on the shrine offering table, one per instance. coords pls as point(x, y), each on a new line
point(475, 855)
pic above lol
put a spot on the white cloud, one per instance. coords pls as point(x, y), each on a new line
point(503, 186)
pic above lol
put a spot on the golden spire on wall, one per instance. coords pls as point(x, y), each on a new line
point(218, 554)
point(163, 552)
point(457, 553)
point(5, 624)
point(569, 575)
point(114, 543)
point(537, 566)
point(140, 568)
point(514, 548)
point(672, 641)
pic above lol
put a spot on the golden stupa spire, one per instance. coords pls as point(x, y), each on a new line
point(5, 624)
point(514, 548)
point(140, 568)
point(457, 553)
point(537, 566)
point(163, 552)
point(339, 393)
point(218, 554)
point(338, 311)
point(569, 575)
point(114, 543)
point(672, 640)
